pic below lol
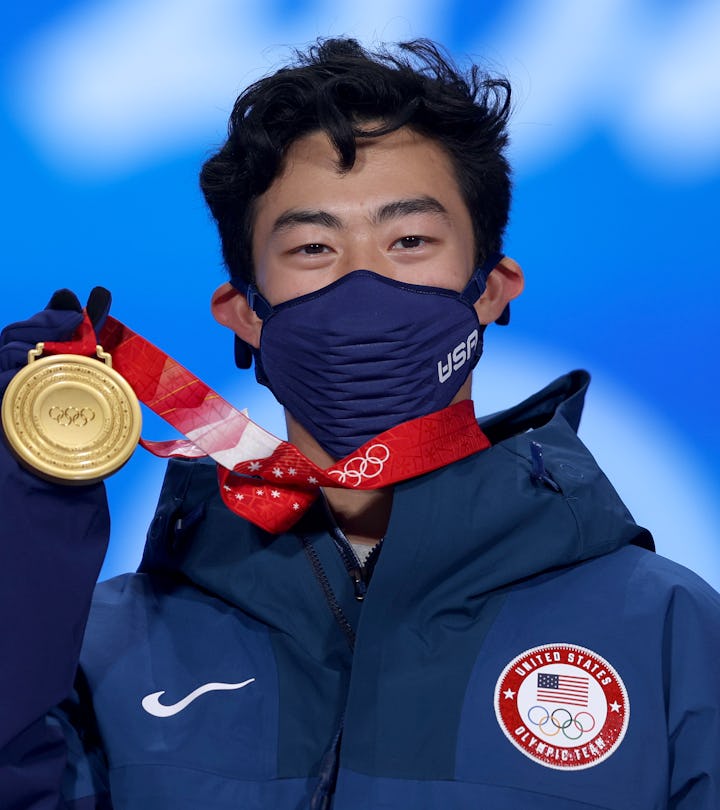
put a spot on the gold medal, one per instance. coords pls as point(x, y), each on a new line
point(70, 418)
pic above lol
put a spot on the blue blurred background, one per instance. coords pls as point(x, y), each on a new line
point(108, 108)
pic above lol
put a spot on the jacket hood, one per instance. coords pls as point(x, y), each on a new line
point(535, 501)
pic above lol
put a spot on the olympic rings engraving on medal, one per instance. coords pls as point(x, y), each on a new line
point(564, 725)
point(368, 466)
point(79, 417)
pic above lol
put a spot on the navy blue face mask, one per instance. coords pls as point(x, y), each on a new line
point(366, 353)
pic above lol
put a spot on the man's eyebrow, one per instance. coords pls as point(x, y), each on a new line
point(301, 216)
point(412, 205)
point(389, 211)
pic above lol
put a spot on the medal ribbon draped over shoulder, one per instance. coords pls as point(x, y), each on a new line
point(262, 478)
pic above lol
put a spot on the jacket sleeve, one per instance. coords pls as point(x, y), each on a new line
point(692, 666)
point(52, 542)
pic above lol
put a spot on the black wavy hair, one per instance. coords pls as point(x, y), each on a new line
point(337, 86)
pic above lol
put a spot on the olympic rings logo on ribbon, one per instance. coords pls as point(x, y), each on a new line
point(71, 416)
point(563, 724)
point(358, 468)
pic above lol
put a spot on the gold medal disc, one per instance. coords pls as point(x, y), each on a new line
point(71, 419)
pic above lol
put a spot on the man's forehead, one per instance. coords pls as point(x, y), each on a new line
point(398, 173)
point(317, 150)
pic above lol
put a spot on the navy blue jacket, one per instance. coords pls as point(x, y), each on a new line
point(518, 645)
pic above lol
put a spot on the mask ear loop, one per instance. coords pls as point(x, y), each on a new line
point(244, 352)
point(256, 301)
point(472, 292)
point(478, 282)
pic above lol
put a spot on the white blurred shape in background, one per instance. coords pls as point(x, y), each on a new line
point(115, 86)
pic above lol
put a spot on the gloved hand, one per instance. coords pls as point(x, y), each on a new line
point(57, 322)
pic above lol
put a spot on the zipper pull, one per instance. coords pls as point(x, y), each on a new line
point(539, 474)
point(359, 583)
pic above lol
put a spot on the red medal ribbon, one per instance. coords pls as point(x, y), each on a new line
point(262, 478)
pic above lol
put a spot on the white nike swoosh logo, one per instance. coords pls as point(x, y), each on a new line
point(152, 705)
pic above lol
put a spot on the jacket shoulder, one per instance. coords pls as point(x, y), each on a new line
point(657, 578)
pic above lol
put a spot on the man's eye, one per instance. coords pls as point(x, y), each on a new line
point(410, 242)
point(313, 249)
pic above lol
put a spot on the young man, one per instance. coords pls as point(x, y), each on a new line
point(510, 639)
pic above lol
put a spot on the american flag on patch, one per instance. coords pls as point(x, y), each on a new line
point(572, 689)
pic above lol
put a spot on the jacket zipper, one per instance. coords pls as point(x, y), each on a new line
point(352, 564)
point(359, 574)
point(327, 590)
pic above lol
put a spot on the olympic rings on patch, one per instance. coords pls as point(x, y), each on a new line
point(358, 468)
point(592, 720)
point(538, 722)
point(564, 724)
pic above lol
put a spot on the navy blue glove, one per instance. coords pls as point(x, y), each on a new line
point(56, 323)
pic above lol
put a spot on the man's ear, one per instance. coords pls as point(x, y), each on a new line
point(230, 308)
point(505, 282)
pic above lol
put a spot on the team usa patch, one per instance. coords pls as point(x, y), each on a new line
point(563, 706)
